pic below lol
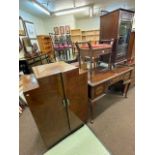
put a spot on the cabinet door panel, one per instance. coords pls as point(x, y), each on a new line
point(48, 110)
point(77, 93)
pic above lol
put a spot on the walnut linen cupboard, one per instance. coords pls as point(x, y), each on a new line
point(57, 96)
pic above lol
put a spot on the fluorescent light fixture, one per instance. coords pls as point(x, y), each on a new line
point(40, 7)
point(69, 11)
point(90, 12)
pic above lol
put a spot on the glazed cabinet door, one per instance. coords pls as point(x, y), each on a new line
point(48, 109)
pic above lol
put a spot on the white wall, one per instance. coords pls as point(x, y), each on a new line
point(38, 22)
point(55, 21)
point(111, 5)
point(88, 23)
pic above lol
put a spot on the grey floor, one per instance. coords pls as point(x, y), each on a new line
point(113, 125)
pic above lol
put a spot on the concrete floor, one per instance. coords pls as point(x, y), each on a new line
point(114, 125)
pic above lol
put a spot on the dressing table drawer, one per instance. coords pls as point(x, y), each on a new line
point(98, 90)
point(126, 76)
point(116, 79)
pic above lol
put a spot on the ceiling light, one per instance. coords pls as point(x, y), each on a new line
point(69, 11)
point(40, 7)
point(91, 12)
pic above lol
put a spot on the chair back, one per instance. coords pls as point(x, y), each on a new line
point(30, 50)
point(27, 44)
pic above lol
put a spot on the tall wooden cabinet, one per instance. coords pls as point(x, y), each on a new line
point(45, 44)
point(57, 96)
point(131, 47)
point(117, 24)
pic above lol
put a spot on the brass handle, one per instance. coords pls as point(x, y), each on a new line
point(67, 102)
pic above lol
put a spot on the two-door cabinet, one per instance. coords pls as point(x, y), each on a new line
point(57, 97)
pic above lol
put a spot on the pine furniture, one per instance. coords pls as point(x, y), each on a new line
point(45, 44)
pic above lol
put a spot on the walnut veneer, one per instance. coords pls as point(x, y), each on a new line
point(57, 96)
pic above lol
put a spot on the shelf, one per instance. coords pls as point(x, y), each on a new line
point(90, 35)
point(75, 30)
point(90, 30)
point(76, 35)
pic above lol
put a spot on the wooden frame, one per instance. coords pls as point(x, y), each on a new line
point(22, 30)
point(56, 30)
point(67, 29)
point(30, 29)
point(62, 30)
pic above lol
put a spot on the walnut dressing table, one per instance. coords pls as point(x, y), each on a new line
point(99, 82)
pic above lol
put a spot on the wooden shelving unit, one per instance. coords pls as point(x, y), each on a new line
point(45, 44)
point(76, 35)
point(88, 35)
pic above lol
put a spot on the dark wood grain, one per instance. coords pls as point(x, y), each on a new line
point(97, 77)
point(131, 47)
point(77, 93)
point(29, 82)
point(52, 69)
point(46, 92)
point(109, 25)
point(98, 83)
point(47, 108)
point(109, 28)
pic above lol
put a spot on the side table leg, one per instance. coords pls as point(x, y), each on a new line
point(126, 90)
point(91, 112)
point(127, 85)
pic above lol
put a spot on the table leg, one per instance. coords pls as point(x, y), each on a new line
point(126, 89)
point(91, 112)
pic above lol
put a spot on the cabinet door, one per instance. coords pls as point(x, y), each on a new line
point(48, 110)
point(125, 27)
point(77, 94)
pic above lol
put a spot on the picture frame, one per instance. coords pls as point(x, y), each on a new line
point(56, 30)
point(22, 29)
point(62, 30)
point(67, 29)
point(30, 29)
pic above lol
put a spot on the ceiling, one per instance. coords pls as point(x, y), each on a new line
point(55, 5)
